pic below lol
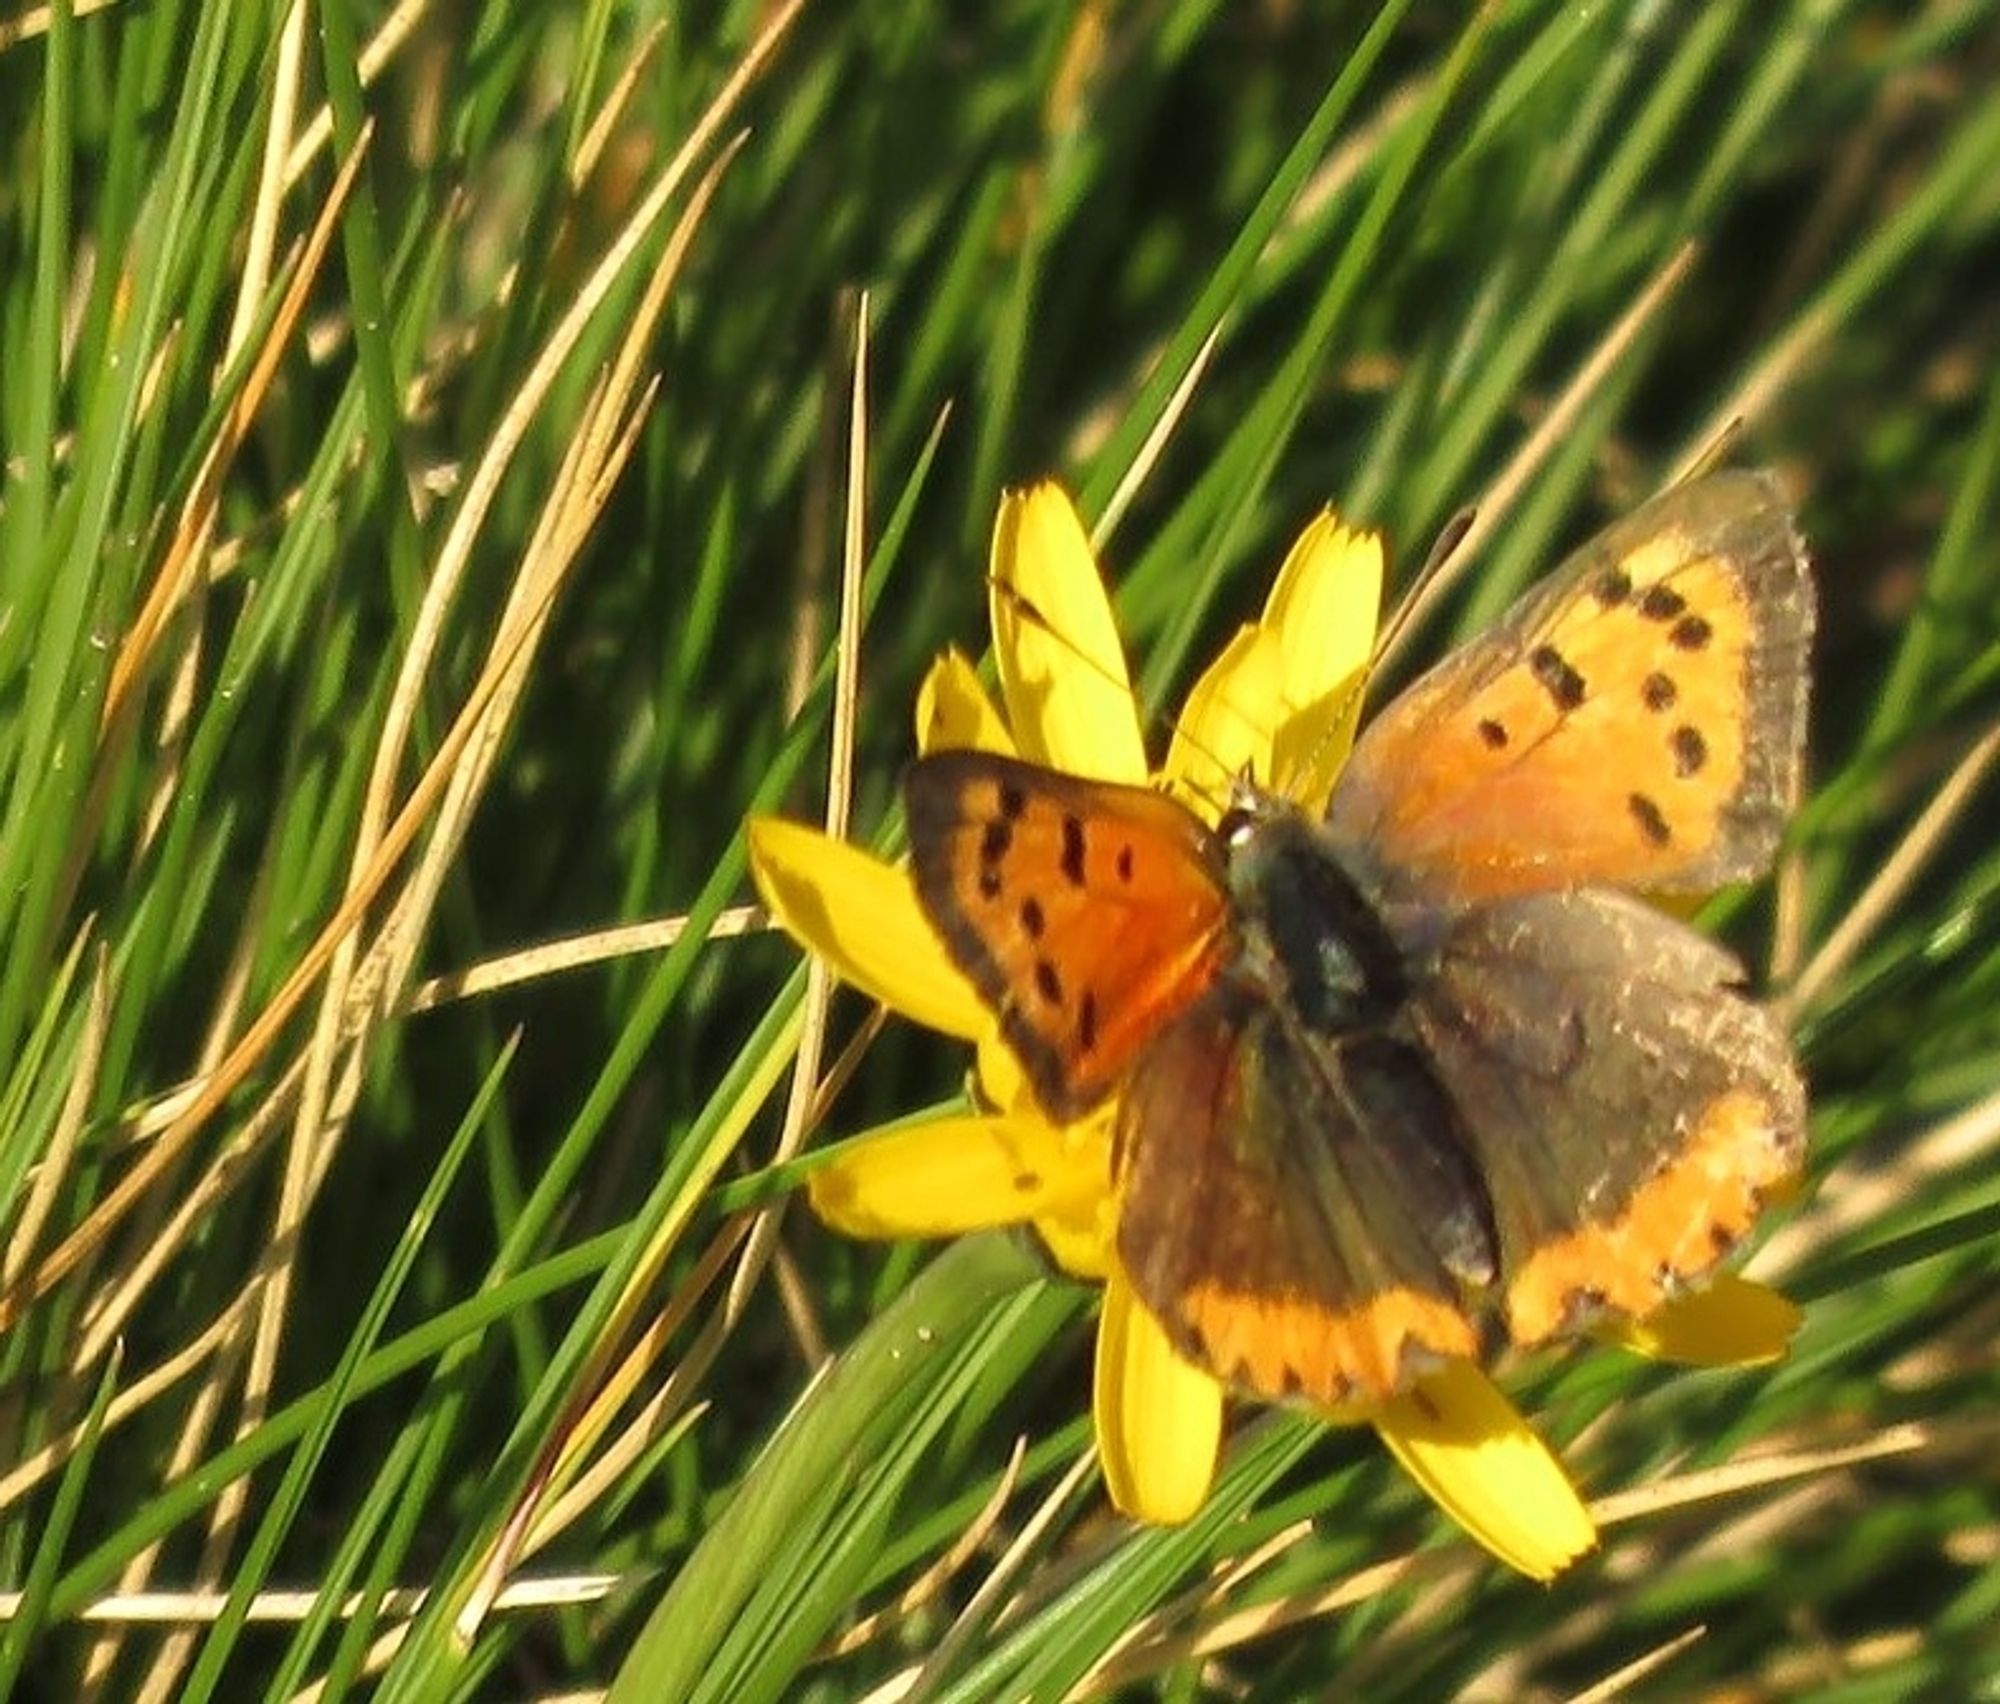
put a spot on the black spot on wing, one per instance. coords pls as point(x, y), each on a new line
point(1659, 692)
point(1072, 850)
point(995, 841)
point(1612, 587)
point(1690, 750)
point(1033, 920)
point(1690, 633)
point(1661, 603)
point(1651, 819)
point(1125, 862)
point(1086, 1023)
point(1048, 981)
point(1557, 677)
point(1494, 734)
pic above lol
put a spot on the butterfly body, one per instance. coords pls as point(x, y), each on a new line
point(1416, 1076)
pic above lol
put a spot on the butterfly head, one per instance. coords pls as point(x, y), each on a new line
point(1248, 809)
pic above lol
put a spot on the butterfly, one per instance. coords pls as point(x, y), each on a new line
point(1424, 1076)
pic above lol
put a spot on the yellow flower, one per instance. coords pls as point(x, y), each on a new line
point(1281, 702)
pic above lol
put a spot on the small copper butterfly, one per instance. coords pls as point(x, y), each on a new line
point(1417, 1077)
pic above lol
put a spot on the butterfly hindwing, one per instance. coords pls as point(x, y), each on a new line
point(1629, 1108)
point(1086, 913)
point(1296, 1212)
point(1636, 720)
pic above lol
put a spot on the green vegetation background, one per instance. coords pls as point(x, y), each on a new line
point(364, 621)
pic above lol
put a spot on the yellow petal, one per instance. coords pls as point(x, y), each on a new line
point(1062, 669)
point(1731, 1323)
point(1002, 1083)
point(861, 916)
point(954, 712)
point(1081, 1240)
point(1159, 1420)
point(1323, 607)
point(1462, 1441)
point(1225, 728)
point(951, 1175)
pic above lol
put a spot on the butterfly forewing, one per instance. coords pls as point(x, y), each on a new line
point(1636, 720)
point(1087, 914)
point(1629, 1108)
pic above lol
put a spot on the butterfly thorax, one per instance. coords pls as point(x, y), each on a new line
point(1310, 939)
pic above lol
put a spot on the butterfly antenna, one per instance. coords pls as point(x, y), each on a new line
point(1432, 580)
point(1717, 450)
point(1025, 607)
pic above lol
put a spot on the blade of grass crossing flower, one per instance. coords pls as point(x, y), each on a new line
point(1224, 729)
point(1324, 607)
point(948, 1176)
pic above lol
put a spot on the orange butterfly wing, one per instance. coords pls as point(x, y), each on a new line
point(1088, 915)
point(1636, 720)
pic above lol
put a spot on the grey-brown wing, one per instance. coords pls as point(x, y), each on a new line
point(1629, 1106)
point(1301, 1214)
